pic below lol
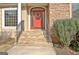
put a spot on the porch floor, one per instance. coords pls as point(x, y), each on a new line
point(31, 50)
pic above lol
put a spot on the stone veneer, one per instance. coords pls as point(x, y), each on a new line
point(25, 17)
point(55, 11)
point(58, 11)
point(0, 19)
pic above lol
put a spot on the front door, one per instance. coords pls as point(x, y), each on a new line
point(37, 19)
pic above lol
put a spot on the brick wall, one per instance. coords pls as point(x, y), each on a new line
point(58, 11)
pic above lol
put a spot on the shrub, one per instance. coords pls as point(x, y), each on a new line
point(74, 44)
point(66, 29)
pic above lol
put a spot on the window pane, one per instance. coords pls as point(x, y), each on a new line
point(11, 17)
point(75, 10)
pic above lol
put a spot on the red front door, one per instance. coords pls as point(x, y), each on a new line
point(37, 18)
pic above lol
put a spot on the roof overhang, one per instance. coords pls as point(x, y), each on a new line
point(35, 4)
point(5, 5)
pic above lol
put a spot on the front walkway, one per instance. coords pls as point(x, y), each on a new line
point(31, 50)
point(32, 43)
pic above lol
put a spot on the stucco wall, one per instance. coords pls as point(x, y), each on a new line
point(58, 11)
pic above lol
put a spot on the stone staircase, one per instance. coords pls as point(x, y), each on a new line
point(32, 43)
point(34, 38)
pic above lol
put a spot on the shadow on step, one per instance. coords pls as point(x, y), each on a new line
point(46, 35)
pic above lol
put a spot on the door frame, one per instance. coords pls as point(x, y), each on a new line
point(42, 21)
point(30, 17)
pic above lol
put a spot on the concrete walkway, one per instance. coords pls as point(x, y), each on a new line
point(31, 50)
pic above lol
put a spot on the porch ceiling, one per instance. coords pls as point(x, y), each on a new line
point(5, 5)
point(35, 4)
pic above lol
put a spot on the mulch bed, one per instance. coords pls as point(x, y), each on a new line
point(3, 53)
point(4, 46)
point(64, 50)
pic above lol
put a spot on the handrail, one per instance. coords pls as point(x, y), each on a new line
point(19, 29)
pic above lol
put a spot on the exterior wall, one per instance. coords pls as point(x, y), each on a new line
point(55, 11)
point(0, 19)
point(58, 11)
point(26, 14)
point(25, 17)
point(8, 30)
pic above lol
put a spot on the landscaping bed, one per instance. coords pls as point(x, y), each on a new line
point(64, 32)
point(65, 51)
point(7, 45)
point(6, 42)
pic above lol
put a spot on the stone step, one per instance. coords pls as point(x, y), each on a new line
point(31, 50)
point(44, 44)
point(32, 38)
point(33, 35)
point(32, 42)
point(36, 40)
point(34, 32)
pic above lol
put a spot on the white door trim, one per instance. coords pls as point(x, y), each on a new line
point(70, 10)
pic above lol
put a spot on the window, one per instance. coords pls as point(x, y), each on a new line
point(75, 10)
point(10, 17)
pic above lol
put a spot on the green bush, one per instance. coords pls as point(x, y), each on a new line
point(66, 29)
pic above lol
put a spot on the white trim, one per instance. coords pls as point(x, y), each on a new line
point(30, 16)
point(3, 18)
point(29, 20)
point(19, 13)
point(70, 10)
